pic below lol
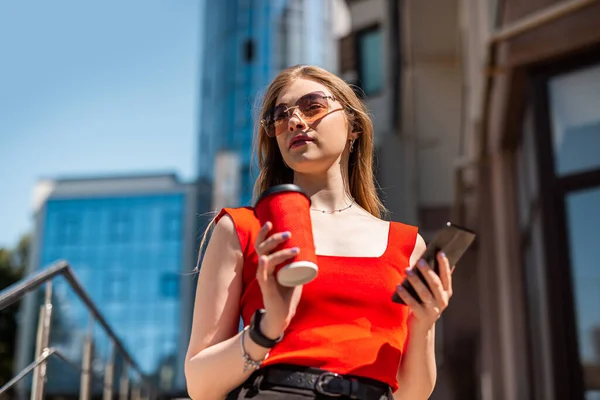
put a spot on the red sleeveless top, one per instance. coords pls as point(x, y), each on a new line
point(346, 321)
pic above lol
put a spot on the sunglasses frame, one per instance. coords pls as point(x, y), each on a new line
point(265, 123)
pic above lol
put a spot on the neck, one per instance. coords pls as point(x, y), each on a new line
point(328, 190)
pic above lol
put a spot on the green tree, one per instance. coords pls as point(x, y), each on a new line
point(12, 268)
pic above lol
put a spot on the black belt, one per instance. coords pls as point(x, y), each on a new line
point(322, 382)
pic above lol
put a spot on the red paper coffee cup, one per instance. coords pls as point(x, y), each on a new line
point(287, 207)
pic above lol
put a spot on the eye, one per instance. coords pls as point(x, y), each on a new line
point(313, 108)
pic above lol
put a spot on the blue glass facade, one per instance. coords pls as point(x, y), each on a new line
point(127, 253)
point(246, 42)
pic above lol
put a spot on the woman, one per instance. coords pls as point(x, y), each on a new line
point(339, 335)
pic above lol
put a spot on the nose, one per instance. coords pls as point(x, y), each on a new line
point(296, 122)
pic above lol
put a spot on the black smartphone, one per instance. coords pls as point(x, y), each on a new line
point(453, 240)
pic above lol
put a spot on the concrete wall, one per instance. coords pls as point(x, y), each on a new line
point(431, 109)
point(415, 159)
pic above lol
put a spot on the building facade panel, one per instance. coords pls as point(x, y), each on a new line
point(247, 42)
point(129, 247)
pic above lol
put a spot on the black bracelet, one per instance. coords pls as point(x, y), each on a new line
point(255, 333)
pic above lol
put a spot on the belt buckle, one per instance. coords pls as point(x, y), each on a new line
point(324, 379)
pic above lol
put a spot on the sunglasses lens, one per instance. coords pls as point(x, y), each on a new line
point(280, 112)
point(280, 126)
point(310, 107)
point(269, 127)
point(313, 106)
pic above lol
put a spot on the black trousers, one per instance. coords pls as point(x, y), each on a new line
point(259, 390)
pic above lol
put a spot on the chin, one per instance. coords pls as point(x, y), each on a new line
point(310, 164)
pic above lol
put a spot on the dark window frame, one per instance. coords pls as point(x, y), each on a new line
point(566, 366)
point(526, 233)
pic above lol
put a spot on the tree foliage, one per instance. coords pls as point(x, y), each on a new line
point(12, 268)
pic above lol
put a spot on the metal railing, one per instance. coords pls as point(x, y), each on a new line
point(144, 390)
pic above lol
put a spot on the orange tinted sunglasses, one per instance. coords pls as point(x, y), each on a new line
point(311, 107)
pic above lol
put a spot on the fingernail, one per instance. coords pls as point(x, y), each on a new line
point(422, 263)
point(442, 254)
point(410, 272)
point(286, 235)
point(266, 224)
point(295, 250)
point(400, 288)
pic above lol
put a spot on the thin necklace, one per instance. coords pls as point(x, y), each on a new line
point(334, 211)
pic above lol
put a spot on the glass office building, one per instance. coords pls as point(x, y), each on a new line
point(128, 242)
point(245, 44)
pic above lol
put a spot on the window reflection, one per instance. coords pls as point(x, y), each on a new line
point(370, 60)
point(583, 221)
point(575, 114)
point(127, 254)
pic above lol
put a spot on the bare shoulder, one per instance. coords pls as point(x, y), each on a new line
point(225, 235)
point(223, 255)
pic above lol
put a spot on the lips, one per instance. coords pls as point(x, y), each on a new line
point(300, 140)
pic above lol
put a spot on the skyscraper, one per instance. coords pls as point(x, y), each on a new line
point(245, 44)
point(130, 242)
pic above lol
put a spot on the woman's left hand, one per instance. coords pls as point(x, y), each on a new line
point(435, 300)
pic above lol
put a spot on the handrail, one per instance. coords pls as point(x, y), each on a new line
point(46, 355)
point(17, 291)
point(52, 351)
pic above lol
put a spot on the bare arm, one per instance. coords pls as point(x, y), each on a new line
point(417, 371)
point(214, 364)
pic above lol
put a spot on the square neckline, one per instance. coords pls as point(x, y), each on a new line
point(385, 251)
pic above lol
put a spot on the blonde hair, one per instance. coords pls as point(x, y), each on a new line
point(272, 169)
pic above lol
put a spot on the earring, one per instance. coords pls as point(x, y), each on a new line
point(352, 145)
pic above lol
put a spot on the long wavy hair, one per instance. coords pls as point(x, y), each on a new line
point(272, 169)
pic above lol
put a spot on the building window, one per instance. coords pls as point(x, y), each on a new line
point(567, 138)
point(169, 285)
point(171, 225)
point(116, 286)
point(247, 185)
point(249, 50)
point(68, 230)
point(370, 60)
point(120, 227)
point(575, 120)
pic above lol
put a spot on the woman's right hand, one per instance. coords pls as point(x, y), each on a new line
point(280, 301)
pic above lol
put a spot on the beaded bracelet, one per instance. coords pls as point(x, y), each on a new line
point(249, 363)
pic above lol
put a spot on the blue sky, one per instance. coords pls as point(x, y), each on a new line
point(94, 88)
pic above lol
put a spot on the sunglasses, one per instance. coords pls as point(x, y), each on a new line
point(311, 107)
